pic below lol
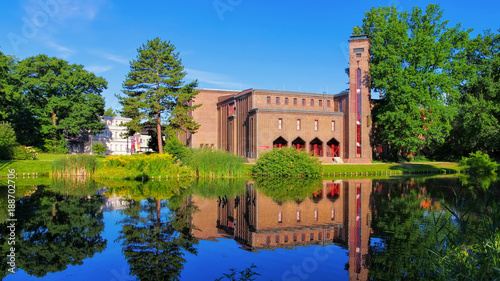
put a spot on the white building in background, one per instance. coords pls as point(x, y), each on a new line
point(113, 136)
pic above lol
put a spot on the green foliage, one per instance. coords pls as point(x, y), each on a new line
point(287, 162)
point(24, 153)
point(417, 65)
point(142, 166)
point(74, 165)
point(153, 141)
point(245, 275)
point(477, 127)
point(7, 140)
point(58, 146)
point(288, 189)
point(175, 147)
point(58, 100)
point(99, 148)
point(215, 163)
point(110, 112)
point(154, 89)
point(479, 162)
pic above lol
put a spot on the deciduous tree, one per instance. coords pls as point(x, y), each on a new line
point(416, 65)
point(61, 99)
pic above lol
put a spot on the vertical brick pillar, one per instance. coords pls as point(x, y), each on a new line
point(358, 115)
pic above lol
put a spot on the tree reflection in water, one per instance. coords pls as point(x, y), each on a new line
point(55, 230)
point(156, 234)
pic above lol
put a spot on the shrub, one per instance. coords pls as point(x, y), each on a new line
point(175, 147)
point(140, 166)
point(215, 163)
point(479, 162)
point(74, 165)
point(7, 141)
point(287, 162)
point(99, 148)
point(24, 153)
point(56, 146)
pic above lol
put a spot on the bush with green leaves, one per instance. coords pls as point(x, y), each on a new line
point(142, 166)
point(287, 162)
point(99, 148)
point(175, 147)
point(7, 141)
point(479, 162)
point(21, 152)
point(215, 163)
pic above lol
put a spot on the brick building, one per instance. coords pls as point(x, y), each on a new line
point(253, 121)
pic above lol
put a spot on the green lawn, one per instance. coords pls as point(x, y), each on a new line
point(394, 168)
point(43, 167)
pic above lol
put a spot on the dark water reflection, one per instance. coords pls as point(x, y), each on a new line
point(357, 229)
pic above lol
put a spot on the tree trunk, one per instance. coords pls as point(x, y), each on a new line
point(158, 132)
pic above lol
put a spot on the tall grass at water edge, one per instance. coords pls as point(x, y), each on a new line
point(74, 165)
point(209, 163)
point(141, 166)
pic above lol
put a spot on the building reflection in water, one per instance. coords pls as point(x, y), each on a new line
point(339, 213)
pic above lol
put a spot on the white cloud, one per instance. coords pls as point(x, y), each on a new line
point(63, 52)
point(98, 68)
point(218, 80)
point(109, 56)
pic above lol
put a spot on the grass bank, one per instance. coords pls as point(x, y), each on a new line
point(384, 168)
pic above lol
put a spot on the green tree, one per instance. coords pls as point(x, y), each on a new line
point(7, 83)
point(99, 148)
point(7, 140)
point(110, 112)
point(61, 100)
point(175, 147)
point(155, 92)
point(417, 63)
point(477, 127)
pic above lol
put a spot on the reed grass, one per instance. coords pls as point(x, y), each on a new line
point(209, 163)
point(74, 165)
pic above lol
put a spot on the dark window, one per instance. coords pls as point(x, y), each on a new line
point(312, 102)
point(320, 102)
point(303, 101)
point(294, 101)
point(340, 106)
point(286, 100)
point(328, 103)
point(359, 50)
point(277, 100)
point(268, 99)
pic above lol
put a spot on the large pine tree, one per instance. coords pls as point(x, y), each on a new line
point(156, 94)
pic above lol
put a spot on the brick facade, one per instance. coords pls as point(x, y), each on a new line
point(253, 121)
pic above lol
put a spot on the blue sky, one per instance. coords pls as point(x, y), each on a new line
point(293, 45)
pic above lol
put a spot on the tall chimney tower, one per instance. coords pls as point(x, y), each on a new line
point(358, 114)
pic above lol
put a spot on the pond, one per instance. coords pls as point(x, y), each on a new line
point(331, 229)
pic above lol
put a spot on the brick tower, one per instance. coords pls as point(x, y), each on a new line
point(358, 113)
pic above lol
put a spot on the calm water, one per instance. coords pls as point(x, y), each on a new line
point(288, 229)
